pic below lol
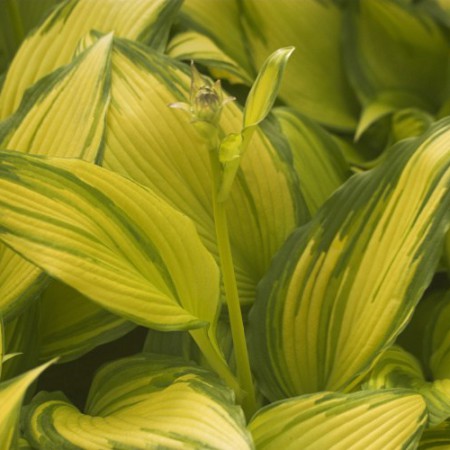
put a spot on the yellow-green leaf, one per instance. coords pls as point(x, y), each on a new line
point(343, 287)
point(388, 420)
point(2, 345)
point(21, 339)
point(436, 438)
point(317, 158)
point(395, 47)
point(17, 18)
point(111, 239)
point(222, 23)
point(53, 44)
point(266, 86)
point(158, 147)
point(71, 325)
point(399, 369)
point(141, 402)
point(63, 115)
point(12, 393)
point(315, 81)
point(436, 335)
point(193, 46)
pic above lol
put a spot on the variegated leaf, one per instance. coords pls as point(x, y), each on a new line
point(437, 438)
point(53, 44)
point(110, 238)
point(315, 81)
point(115, 242)
point(17, 18)
point(141, 402)
point(384, 41)
point(158, 147)
point(63, 115)
point(21, 339)
point(71, 325)
point(318, 160)
point(436, 335)
point(336, 421)
point(222, 23)
point(193, 46)
point(12, 393)
point(2, 346)
point(399, 369)
point(343, 287)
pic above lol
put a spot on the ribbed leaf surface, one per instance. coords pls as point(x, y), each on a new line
point(158, 147)
point(71, 325)
point(318, 160)
point(388, 420)
point(53, 44)
point(111, 239)
point(342, 287)
point(63, 115)
point(142, 402)
point(12, 393)
point(398, 369)
point(436, 438)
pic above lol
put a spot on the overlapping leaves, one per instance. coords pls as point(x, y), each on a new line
point(147, 264)
point(338, 293)
point(145, 401)
point(342, 287)
point(328, 420)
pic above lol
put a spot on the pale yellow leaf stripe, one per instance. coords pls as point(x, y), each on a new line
point(146, 401)
point(111, 239)
point(71, 325)
point(63, 115)
point(261, 214)
point(2, 345)
point(397, 368)
point(388, 420)
point(436, 438)
point(342, 288)
point(318, 160)
point(199, 48)
point(53, 44)
point(12, 393)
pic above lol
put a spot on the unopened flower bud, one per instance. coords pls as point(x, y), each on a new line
point(207, 103)
point(206, 99)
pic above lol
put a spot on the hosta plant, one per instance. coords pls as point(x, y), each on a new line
point(224, 224)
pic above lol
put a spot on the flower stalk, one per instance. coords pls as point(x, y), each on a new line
point(206, 104)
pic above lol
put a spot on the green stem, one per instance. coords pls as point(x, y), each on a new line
point(217, 363)
point(244, 374)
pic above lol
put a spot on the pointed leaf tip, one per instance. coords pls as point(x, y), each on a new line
point(266, 86)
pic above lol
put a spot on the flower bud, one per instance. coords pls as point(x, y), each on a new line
point(206, 99)
point(207, 103)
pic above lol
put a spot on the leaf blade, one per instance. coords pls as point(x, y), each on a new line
point(265, 89)
point(341, 421)
point(363, 261)
point(90, 235)
point(12, 393)
point(57, 120)
point(142, 401)
point(53, 44)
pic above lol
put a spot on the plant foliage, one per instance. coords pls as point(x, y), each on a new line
point(224, 225)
